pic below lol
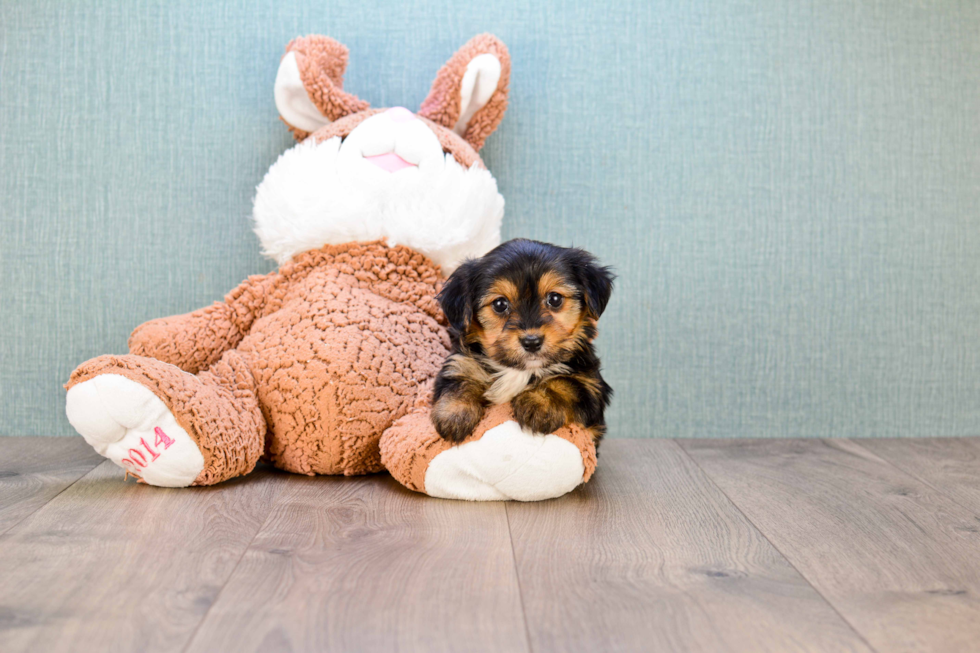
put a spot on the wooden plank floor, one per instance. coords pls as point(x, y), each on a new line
point(692, 545)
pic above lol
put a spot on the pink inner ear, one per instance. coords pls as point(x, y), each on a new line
point(389, 162)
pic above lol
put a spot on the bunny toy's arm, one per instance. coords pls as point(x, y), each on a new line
point(194, 341)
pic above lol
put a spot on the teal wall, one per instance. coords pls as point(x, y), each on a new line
point(789, 189)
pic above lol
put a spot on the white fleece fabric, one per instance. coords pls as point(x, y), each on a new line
point(328, 193)
point(479, 83)
point(507, 463)
point(119, 418)
point(292, 100)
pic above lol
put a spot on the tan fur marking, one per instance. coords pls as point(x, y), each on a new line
point(562, 390)
point(546, 407)
point(596, 432)
point(492, 325)
point(576, 335)
point(590, 383)
point(551, 281)
point(464, 367)
point(453, 405)
point(457, 415)
point(566, 319)
point(501, 288)
point(564, 332)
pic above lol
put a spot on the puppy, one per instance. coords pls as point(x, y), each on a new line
point(522, 321)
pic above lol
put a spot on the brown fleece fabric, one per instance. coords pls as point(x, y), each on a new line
point(194, 341)
point(322, 62)
point(321, 357)
point(352, 333)
point(412, 442)
point(442, 105)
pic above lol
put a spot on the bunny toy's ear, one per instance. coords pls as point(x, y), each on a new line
point(469, 95)
point(309, 86)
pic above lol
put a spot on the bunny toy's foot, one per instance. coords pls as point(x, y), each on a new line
point(499, 461)
point(168, 427)
point(125, 422)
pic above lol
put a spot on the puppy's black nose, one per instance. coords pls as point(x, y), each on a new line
point(531, 343)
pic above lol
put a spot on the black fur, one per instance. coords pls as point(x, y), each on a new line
point(455, 297)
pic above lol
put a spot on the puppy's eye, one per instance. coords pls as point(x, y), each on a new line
point(500, 305)
point(555, 300)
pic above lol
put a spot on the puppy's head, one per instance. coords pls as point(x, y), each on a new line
point(527, 304)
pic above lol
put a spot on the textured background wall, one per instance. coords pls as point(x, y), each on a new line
point(789, 189)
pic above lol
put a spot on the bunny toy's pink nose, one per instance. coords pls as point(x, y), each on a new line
point(391, 162)
point(400, 114)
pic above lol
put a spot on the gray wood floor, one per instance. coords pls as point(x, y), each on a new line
point(701, 545)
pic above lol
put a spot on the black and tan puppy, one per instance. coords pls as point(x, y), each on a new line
point(522, 321)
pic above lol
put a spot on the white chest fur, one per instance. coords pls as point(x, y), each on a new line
point(507, 384)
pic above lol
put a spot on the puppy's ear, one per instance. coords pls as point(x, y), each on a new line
point(454, 298)
point(596, 282)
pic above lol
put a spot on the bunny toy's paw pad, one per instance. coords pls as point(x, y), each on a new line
point(508, 462)
point(128, 424)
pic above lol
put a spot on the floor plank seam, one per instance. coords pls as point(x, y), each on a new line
point(231, 574)
point(517, 576)
point(762, 533)
point(33, 512)
point(914, 476)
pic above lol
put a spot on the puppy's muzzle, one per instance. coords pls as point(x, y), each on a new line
point(531, 344)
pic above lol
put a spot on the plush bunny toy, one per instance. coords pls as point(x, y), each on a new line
point(325, 365)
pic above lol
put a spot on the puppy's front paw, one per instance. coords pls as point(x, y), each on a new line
point(455, 418)
point(535, 412)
